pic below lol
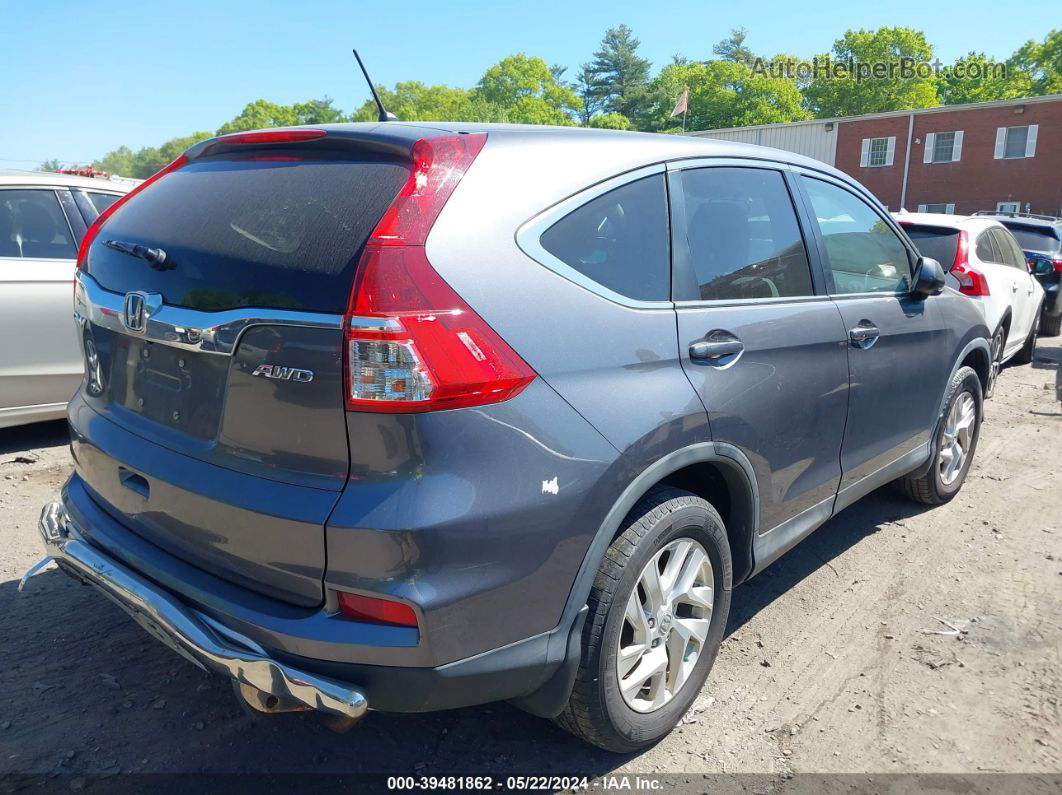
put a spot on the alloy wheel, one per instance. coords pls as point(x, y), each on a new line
point(665, 625)
point(958, 438)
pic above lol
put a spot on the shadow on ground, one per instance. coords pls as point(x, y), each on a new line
point(1050, 359)
point(87, 691)
point(32, 437)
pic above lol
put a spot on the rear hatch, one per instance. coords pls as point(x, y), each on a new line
point(218, 369)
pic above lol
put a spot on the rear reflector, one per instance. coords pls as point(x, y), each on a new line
point(412, 343)
point(376, 611)
point(94, 230)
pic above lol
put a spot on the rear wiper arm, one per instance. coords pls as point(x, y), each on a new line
point(155, 257)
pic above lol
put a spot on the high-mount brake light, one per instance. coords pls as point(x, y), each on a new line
point(272, 137)
point(412, 343)
point(971, 281)
point(90, 235)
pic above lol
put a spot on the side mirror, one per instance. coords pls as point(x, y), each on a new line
point(928, 278)
point(1040, 266)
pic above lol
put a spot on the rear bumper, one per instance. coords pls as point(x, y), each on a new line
point(223, 628)
point(191, 634)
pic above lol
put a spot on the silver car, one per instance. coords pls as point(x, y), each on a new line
point(43, 217)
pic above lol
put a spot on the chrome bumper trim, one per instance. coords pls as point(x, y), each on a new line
point(194, 636)
point(188, 329)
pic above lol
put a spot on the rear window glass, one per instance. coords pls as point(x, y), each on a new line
point(263, 232)
point(936, 242)
point(619, 240)
point(1034, 239)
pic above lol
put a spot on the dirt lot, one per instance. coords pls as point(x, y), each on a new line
point(894, 639)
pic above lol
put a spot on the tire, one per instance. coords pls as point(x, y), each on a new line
point(1050, 326)
point(1028, 350)
point(936, 487)
point(597, 710)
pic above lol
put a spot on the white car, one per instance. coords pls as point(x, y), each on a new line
point(43, 217)
point(990, 267)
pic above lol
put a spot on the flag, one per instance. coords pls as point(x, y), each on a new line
point(680, 106)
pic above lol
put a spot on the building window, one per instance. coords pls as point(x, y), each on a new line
point(943, 147)
point(877, 152)
point(1016, 142)
point(1008, 207)
point(947, 209)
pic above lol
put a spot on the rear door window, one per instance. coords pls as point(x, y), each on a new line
point(619, 240)
point(865, 255)
point(987, 249)
point(101, 201)
point(268, 231)
point(1008, 248)
point(33, 226)
point(743, 235)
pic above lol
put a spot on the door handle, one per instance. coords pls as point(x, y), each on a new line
point(715, 346)
point(1014, 288)
point(864, 335)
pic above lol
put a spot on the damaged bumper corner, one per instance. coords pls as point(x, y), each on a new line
point(191, 634)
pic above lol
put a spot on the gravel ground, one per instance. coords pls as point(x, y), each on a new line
point(894, 639)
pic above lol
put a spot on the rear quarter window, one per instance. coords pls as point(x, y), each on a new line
point(619, 240)
point(265, 231)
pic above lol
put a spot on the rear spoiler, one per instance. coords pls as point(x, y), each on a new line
point(308, 139)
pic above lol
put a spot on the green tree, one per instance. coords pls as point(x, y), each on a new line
point(610, 121)
point(850, 94)
point(317, 111)
point(589, 89)
point(119, 161)
point(976, 78)
point(722, 94)
point(623, 74)
point(260, 114)
point(526, 90)
point(1043, 62)
point(415, 101)
point(50, 165)
point(733, 48)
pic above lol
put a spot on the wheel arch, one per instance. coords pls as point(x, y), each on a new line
point(708, 469)
point(716, 472)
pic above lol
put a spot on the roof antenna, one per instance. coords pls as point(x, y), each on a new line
point(385, 115)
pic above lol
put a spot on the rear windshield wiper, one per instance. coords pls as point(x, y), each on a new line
point(155, 257)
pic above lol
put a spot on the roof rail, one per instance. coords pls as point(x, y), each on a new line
point(1011, 214)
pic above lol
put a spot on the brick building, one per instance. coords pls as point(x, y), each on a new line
point(959, 158)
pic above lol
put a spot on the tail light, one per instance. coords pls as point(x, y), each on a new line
point(412, 343)
point(1056, 264)
point(90, 235)
point(374, 610)
point(971, 281)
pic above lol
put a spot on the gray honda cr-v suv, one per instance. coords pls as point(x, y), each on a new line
point(410, 417)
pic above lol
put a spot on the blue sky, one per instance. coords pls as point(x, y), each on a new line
point(81, 78)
